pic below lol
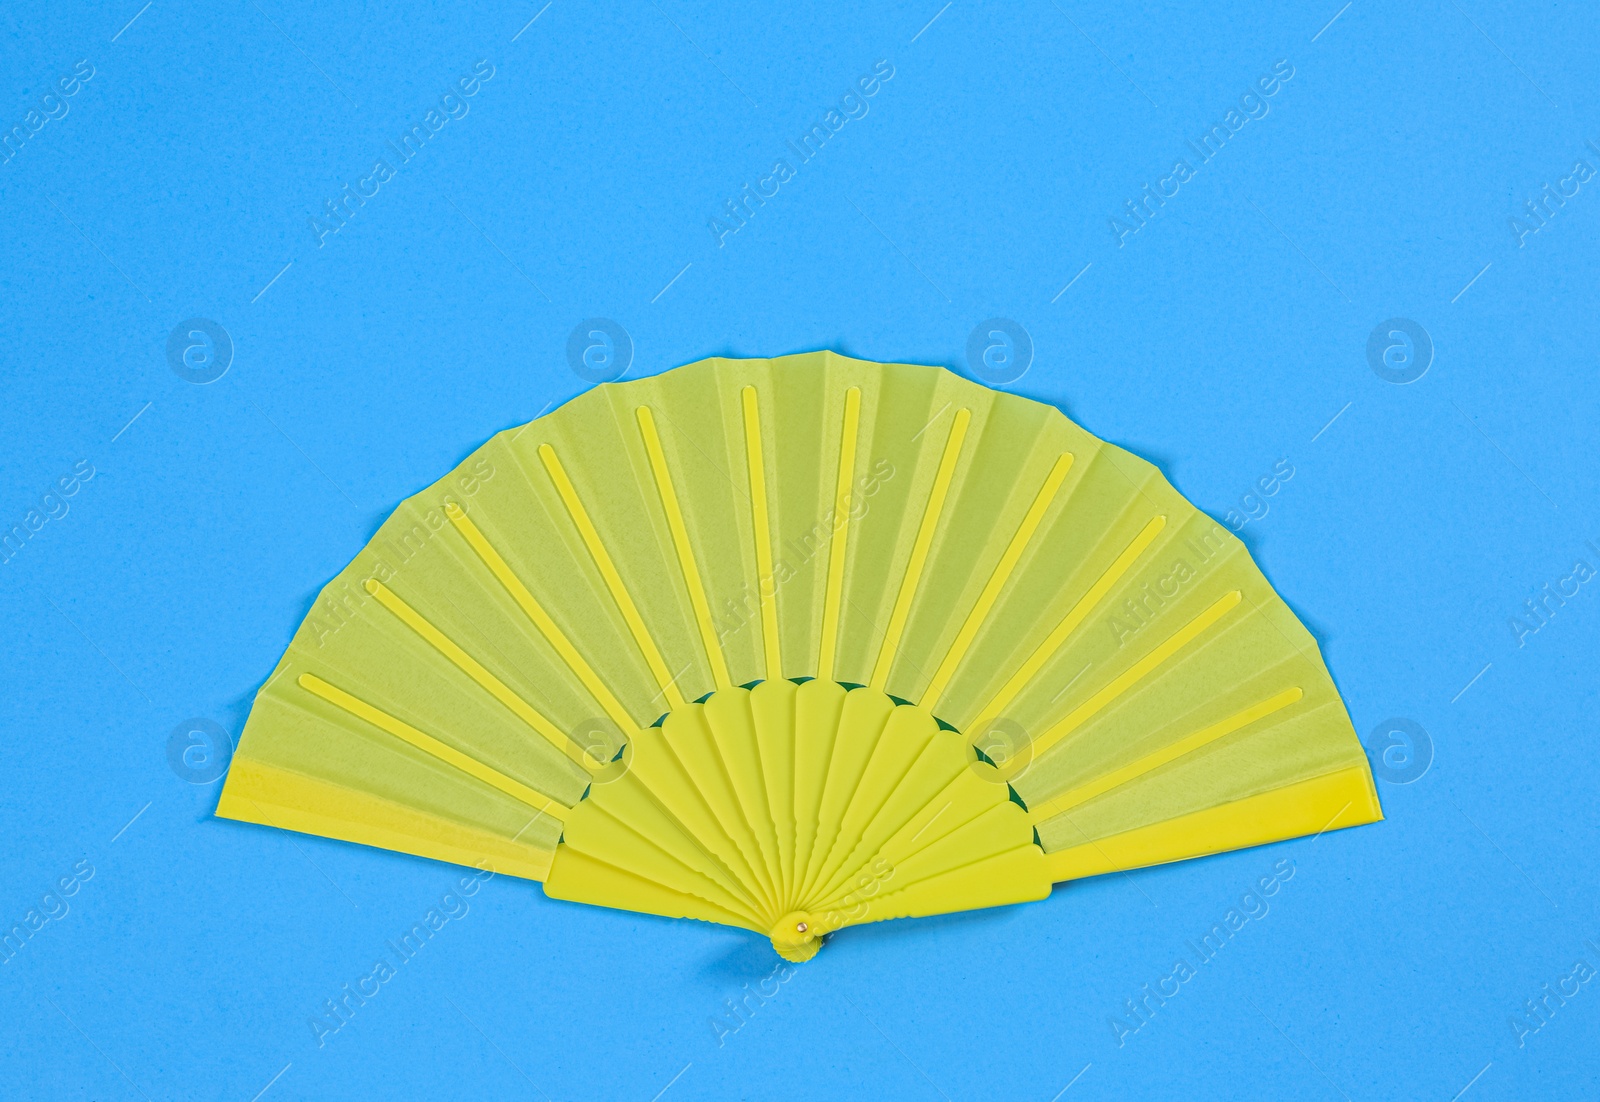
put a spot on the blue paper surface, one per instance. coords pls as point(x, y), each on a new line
point(376, 229)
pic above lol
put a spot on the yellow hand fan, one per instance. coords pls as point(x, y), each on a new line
point(796, 644)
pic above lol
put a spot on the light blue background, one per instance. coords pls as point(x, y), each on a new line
point(1220, 339)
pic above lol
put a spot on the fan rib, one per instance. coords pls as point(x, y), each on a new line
point(702, 759)
point(1016, 875)
point(610, 886)
point(772, 709)
point(604, 835)
point(921, 783)
point(972, 841)
point(613, 580)
point(906, 734)
point(1152, 761)
point(432, 746)
point(1080, 611)
point(970, 798)
point(766, 578)
point(1137, 672)
point(841, 532)
point(919, 550)
point(1332, 801)
point(818, 710)
point(475, 670)
point(997, 580)
point(694, 804)
point(289, 800)
point(541, 619)
point(733, 731)
point(775, 764)
point(680, 542)
point(646, 800)
point(862, 721)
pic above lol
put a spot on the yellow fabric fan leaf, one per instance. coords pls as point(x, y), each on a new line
point(796, 644)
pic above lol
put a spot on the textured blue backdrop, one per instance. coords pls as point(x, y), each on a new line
point(179, 161)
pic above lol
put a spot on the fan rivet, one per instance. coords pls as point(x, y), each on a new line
point(800, 926)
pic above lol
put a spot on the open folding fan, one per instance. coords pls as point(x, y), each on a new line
point(796, 644)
